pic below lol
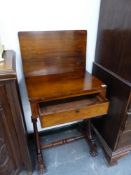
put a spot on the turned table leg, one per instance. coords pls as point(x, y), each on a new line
point(90, 139)
point(40, 160)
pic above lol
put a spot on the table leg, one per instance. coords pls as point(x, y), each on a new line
point(40, 160)
point(90, 139)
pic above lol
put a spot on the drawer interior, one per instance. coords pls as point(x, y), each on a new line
point(75, 103)
point(72, 109)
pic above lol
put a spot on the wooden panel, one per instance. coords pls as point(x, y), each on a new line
point(54, 86)
point(114, 53)
point(118, 94)
point(11, 160)
point(125, 140)
point(19, 125)
point(127, 126)
point(14, 154)
point(53, 52)
point(7, 165)
point(114, 37)
point(129, 105)
point(73, 109)
point(128, 123)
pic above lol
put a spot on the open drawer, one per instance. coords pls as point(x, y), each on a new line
point(73, 109)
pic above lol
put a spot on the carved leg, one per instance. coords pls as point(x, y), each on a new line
point(40, 160)
point(90, 139)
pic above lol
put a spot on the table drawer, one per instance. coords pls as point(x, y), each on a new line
point(73, 109)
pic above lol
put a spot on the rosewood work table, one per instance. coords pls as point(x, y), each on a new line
point(59, 88)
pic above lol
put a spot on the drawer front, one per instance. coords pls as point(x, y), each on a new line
point(74, 114)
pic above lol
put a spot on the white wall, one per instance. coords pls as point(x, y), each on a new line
point(23, 15)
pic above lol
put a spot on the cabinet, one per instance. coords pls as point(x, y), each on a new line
point(14, 154)
point(113, 66)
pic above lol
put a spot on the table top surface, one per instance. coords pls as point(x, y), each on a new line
point(45, 88)
point(54, 65)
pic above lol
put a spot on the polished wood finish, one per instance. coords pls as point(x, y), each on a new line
point(14, 153)
point(49, 88)
point(62, 142)
point(71, 110)
point(53, 52)
point(59, 88)
point(86, 132)
point(90, 139)
point(41, 164)
point(113, 66)
point(117, 42)
point(122, 94)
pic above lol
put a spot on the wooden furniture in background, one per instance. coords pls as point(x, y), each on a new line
point(14, 154)
point(59, 88)
point(113, 66)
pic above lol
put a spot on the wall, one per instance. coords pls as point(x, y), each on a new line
point(38, 15)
